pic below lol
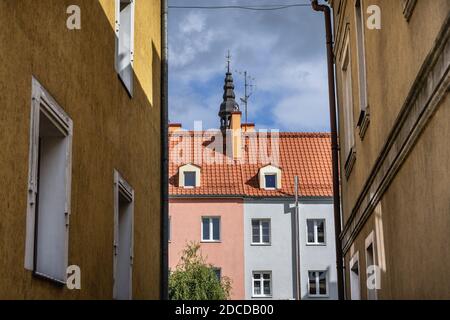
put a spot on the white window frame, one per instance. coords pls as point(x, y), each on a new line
point(261, 242)
point(117, 46)
point(361, 50)
point(355, 288)
point(189, 168)
point(316, 233)
point(121, 187)
point(265, 181)
point(317, 279)
point(211, 228)
point(261, 280)
point(370, 241)
point(42, 101)
point(270, 170)
point(195, 178)
point(347, 99)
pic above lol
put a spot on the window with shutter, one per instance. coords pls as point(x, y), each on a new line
point(125, 42)
point(123, 238)
point(46, 252)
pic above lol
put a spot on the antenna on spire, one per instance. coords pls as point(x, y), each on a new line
point(228, 61)
point(249, 88)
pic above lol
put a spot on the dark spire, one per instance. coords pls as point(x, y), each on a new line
point(229, 104)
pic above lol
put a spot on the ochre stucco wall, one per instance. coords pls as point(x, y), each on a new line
point(185, 226)
point(412, 247)
point(394, 56)
point(111, 131)
point(414, 253)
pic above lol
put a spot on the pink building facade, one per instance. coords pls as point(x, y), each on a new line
point(227, 253)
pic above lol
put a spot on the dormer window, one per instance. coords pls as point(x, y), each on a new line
point(189, 179)
point(189, 176)
point(271, 180)
point(270, 177)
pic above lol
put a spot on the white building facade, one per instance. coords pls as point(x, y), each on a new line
point(269, 240)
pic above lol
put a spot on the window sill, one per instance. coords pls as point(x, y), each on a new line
point(363, 122)
point(316, 244)
point(210, 241)
point(44, 277)
point(261, 244)
point(317, 296)
point(350, 162)
point(262, 297)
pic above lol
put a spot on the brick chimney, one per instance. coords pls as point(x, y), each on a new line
point(236, 132)
point(248, 127)
point(174, 127)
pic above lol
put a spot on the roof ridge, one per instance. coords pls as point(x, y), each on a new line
point(284, 133)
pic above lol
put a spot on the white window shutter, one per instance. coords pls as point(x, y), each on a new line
point(125, 54)
point(52, 218)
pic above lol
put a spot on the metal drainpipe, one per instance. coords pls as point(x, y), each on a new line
point(164, 290)
point(334, 145)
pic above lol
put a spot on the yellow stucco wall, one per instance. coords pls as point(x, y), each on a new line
point(415, 208)
point(111, 131)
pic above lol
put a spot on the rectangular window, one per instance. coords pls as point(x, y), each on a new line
point(371, 268)
point(262, 284)
point(123, 238)
point(49, 184)
point(211, 229)
point(318, 285)
point(355, 293)
point(371, 293)
point(168, 228)
point(271, 181)
point(189, 179)
point(347, 99)
point(359, 15)
point(261, 231)
point(218, 273)
point(125, 42)
point(315, 231)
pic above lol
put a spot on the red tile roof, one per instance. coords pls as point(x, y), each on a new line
point(307, 155)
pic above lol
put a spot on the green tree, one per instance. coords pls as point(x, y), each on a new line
point(195, 279)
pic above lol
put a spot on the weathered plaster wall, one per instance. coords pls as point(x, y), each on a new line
point(111, 131)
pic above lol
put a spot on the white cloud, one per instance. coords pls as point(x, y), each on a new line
point(303, 112)
point(193, 22)
point(190, 39)
point(283, 50)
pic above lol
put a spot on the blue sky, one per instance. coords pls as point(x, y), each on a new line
point(283, 50)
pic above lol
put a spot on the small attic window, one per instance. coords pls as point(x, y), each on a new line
point(271, 180)
point(189, 179)
point(270, 177)
point(189, 176)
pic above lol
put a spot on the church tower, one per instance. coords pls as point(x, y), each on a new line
point(229, 104)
